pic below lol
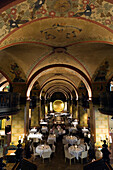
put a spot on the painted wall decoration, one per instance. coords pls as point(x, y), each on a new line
point(16, 23)
point(87, 12)
point(102, 72)
point(96, 10)
point(37, 5)
point(62, 5)
point(71, 31)
point(17, 73)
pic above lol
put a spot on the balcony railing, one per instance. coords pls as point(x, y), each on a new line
point(9, 103)
point(106, 103)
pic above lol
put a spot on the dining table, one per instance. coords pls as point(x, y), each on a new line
point(72, 129)
point(85, 130)
point(76, 151)
point(71, 139)
point(44, 128)
point(52, 137)
point(43, 148)
point(33, 130)
point(36, 135)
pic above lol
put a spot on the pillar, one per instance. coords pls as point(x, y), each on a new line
point(18, 126)
point(92, 122)
point(26, 117)
point(35, 116)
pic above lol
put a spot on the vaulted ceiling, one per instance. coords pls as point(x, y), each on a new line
point(57, 43)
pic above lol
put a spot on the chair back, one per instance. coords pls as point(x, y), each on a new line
point(78, 142)
point(53, 148)
point(68, 155)
point(66, 147)
point(34, 150)
point(84, 154)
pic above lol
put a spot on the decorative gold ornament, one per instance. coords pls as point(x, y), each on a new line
point(58, 105)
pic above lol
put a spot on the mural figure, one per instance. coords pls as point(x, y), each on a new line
point(15, 23)
point(87, 12)
point(16, 71)
point(37, 5)
point(102, 72)
point(60, 28)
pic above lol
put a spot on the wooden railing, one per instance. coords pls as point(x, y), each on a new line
point(106, 103)
point(9, 103)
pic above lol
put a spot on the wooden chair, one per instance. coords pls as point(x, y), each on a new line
point(66, 147)
point(53, 148)
point(84, 155)
point(78, 142)
point(69, 156)
point(46, 155)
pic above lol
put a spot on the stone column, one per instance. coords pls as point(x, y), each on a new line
point(26, 117)
point(41, 114)
point(35, 118)
point(92, 121)
point(71, 106)
point(74, 111)
point(18, 125)
point(76, 116)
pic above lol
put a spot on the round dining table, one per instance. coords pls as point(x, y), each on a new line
point(52, 137)
point(43, 148)
point(75, 151)
point(36, 135)
point(71, 139)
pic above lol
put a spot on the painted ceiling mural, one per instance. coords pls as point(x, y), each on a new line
point(12, 18)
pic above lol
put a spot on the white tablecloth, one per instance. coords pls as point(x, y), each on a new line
point(33, 130)
point(72, 128)
point(43, 123)
point(85, 130)
point(45, 128)
point(37, 135)
point(52, 137)
point(43, 148)
point(74, 123)
point(71, 139)
point(75, 151)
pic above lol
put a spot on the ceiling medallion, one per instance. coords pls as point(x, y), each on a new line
point(69, 31)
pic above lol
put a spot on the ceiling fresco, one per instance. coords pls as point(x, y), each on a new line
point(15, 17)
point(54, 41)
